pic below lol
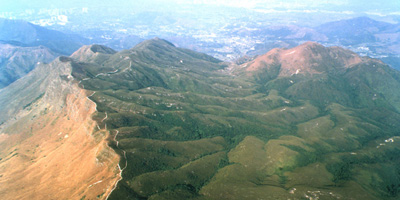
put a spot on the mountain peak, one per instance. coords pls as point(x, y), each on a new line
point(314, 46)
point(158, 42)
point(311, 44)
point(101, 49)
point(89, 51)
point(307, 58)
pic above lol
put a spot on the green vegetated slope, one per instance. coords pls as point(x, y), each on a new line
point(192, 129)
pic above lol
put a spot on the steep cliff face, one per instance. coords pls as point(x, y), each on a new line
point(52, 149)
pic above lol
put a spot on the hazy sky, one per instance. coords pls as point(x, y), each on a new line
point(351, 5)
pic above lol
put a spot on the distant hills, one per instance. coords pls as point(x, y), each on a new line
point(310, 121)
point(360, 30)
point(22, 33)
point(23, 45)
point(16, 61)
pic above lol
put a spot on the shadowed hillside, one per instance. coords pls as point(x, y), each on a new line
point(15, 61)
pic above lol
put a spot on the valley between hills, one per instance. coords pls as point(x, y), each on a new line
point(162, 122)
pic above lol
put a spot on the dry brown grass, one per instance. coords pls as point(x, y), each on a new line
point(56, 156)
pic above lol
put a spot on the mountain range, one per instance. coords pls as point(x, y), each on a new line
point(162, 122)
point(362, 34)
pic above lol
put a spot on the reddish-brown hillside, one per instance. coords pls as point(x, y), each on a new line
point(308, 58)
point(52, 148)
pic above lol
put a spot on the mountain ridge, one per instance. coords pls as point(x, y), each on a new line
point(187, 126)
